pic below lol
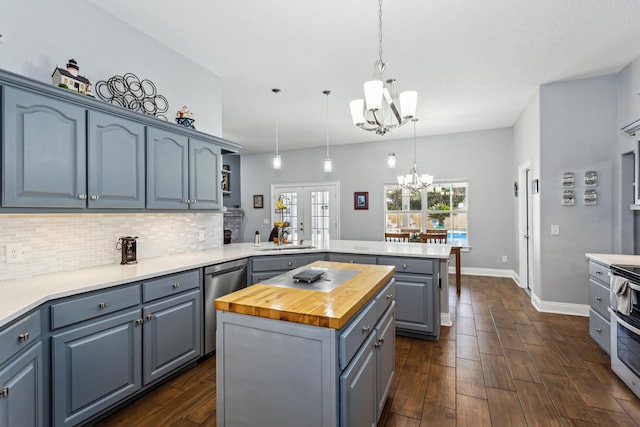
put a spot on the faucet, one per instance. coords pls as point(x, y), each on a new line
point(279, 236)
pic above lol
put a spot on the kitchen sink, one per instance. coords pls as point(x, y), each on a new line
point(285, 247)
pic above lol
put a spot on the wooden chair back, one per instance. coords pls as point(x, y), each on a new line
point(396, 237)
point(433, 236)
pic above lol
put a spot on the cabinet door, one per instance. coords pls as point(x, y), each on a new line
point(416, 308)
point(21, 389)
point(385, 357)
point(167, 170)
point(95, 366)
point(116, 166)
point(358, 389)
point(171, 334)
point(44, 152)
point(204, 175)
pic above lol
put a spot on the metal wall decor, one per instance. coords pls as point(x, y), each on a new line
point(568, 198)
point(590, 197)
point(568, 179)
point(130, 92)
point(590, 179)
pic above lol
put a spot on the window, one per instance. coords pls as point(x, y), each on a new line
point(442, 206)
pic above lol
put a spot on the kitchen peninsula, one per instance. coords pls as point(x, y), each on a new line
point(314, 354)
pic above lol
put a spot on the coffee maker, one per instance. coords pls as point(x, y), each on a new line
point(128, 249)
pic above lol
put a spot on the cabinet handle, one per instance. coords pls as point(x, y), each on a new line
point(366, 329)
point(290, 263)
point(149, 316)
point(599, 272)
point(598, 330)
point(4, 392)
point(82, 196)
point(139, 321)
point(352, 262)
point(94, 197)
point(187, 201)
point(176, 285)
point(23, 337)
point(193, 201)
point(598, 298)
point(102, 305)
point(404, 266)
point(389, 296)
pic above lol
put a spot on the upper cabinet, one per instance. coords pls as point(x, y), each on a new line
point(66, 151)
point(44, 146)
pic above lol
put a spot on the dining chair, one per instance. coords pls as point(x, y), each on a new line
point(396, 237)
point(433, 236)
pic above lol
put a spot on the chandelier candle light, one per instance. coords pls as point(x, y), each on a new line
point(413, 180)
point(277, 160)
point(328, 165)
point(369, 113)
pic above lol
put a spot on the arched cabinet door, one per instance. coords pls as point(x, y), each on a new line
point(167, 170)
point(205, 160)
point(44, 161)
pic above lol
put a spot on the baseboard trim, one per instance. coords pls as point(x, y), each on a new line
point(559, 307)
point(492, 272)
point(445, 319)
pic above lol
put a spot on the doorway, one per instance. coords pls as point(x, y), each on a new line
point(312, 211)
point(525, 225)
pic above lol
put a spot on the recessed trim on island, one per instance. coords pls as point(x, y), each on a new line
point(302, 357)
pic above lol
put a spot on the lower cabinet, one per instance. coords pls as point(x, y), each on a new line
point(266, 267)
point(96, 366)
point(21, 390)
point(358, 398)
point(599, 318)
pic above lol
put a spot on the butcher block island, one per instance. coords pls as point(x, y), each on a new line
point(322, 353)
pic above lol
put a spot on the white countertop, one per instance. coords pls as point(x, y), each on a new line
point(617, 259)
point(19, 296)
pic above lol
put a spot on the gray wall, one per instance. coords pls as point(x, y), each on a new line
point(577, 133)
point(233, 160)
point(37, 35)
point(484, 157)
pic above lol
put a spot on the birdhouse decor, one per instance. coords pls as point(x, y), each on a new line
point(184, 117)
point(69, 78)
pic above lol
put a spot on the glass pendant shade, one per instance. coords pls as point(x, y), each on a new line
point(357, 111)
point(277, 161)
point(391, 160)
point(328, 165)
point(408, 101)
point(373, 94)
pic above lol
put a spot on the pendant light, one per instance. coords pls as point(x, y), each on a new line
point(391, 157)
point(413, 180)
point(277, 160)
point(328, 165)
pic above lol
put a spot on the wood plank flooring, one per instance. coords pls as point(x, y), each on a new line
point(502, 363)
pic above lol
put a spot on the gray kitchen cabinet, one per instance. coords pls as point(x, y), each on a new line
point(358, 402)
point(172, 334)
point(265, 267)
point(21, 374)
point(599, 291)
point(385, 358)
point(44, 151)
point(116, 162)
point(353, 258)
point(95, 366)
point(417, 296)
point(182, 173)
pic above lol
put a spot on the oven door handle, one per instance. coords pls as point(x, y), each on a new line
point(623, 323)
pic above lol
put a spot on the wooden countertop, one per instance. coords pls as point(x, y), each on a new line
point(327, 309)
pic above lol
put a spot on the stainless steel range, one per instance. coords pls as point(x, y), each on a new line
point(625, 325)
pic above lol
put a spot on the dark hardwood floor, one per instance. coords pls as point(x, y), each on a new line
point(502, 363)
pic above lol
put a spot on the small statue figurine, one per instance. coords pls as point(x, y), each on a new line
point(69, 78)
point(184, 117)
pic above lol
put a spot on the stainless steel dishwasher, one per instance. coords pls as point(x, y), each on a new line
point(220, 279)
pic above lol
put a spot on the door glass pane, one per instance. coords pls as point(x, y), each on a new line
point(289, 215)
point(320, 216)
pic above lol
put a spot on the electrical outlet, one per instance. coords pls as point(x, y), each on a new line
point(504, 258)
point(14, 252)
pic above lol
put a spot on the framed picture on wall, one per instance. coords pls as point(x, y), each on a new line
point(258, 201)
point(361, 200)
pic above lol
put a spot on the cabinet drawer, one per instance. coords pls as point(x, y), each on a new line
point(599, 272)
point(93, 305)
point(599, 298)
point(358, 330)
point(284, 262)
point(408, 265)
point(353, 258)
point(170, 285)
point(600, 330)
point(265, 275)
point(19, 335)
point(385, 297)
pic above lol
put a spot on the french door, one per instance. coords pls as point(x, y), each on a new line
point(312, 211)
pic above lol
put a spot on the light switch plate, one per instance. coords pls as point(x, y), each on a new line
point(555, 229)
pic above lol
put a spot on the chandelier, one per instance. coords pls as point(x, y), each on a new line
point(413, 180)
point(379, 111)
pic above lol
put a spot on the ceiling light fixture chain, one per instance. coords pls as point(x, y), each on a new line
point(328, 164)
point(277, 160)
point(380, 110)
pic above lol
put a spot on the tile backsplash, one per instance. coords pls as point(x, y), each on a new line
point(63, 242)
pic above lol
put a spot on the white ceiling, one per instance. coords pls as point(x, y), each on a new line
point(475, 64)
